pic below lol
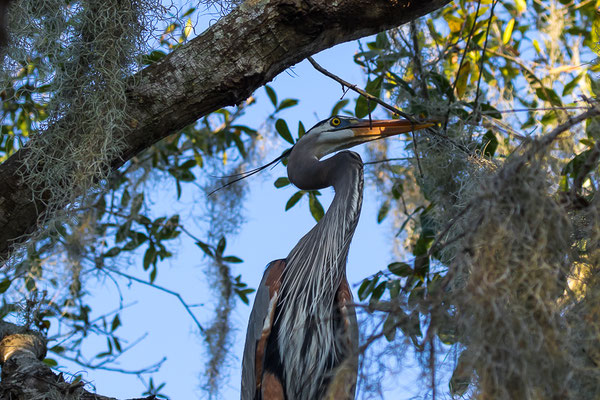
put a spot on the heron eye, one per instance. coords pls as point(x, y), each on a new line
point(336, 121)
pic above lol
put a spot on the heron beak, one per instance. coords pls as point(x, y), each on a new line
point(375, 129)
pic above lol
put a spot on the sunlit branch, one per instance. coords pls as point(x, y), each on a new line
point(358, 90)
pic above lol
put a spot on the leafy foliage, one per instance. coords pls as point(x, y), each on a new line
point(496, 220)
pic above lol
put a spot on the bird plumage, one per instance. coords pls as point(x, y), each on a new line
point(302, 339)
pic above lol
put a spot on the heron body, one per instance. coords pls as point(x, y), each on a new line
point(302, 338)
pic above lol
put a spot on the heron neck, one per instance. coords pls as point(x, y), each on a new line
point(314, 270)
point(318, 261)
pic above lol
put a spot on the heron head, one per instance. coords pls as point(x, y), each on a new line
point(340, 132)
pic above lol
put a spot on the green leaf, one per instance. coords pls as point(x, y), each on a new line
point(281, 182)
point(294, 199)
point(188, 12)
point(383, 211)
point(116, 322)
point(205, 248)
point(284, 131)
point(367, 287)
point(378, 291)
point(521, 6)
point(316, 209)
point(422, 245)
point(153, 274)
point(549, 118)
point(394, 288)
point(489, 144)
point(381, 41)
point(508, 31)
point(592, 130)
point(188, 164)
point(463, 79)
point(363, 106)
point(122, 232)
point(57, 349)
point(30, 284)
point(301, 129)
point(125, 198)
point(569, 87)
point(400, 269)
point(117, 344)
point(389, 327)
point(153, 57)
point(461, 377)
point(50, 362)
point(486, 108)
point(287, 103)
point(549, 95)
point(198, 158)
point(232, 259)
point(272, 95)
point(4, 285)
point(221, 245)
point(137, 203)
point(442, 84)
point(243, 294)
point(112, 252)
point(149, 257)
point(573, 167)
point(339, 106)
point(416, 296)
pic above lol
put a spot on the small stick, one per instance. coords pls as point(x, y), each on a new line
point(370, 97)
point(359, 90)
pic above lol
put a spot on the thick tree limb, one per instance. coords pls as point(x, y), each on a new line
point(26, 377)
point(221, 67)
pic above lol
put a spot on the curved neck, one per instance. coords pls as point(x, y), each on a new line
point(317, 264)
point(314, 270)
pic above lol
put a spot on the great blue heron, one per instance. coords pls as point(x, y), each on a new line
point(302, 338)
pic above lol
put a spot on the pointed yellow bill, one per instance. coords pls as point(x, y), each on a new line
point(383, 128)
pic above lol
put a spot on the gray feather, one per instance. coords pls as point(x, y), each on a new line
point(253, 334)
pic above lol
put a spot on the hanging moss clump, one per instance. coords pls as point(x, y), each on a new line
point(74, 58)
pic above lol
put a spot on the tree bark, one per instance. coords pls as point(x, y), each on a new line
point(26, 377)
point(221, 67)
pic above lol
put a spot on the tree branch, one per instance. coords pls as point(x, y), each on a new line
point(24, 374)
point(358, 90)
point(221, 67)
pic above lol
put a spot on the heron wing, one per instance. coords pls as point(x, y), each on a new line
point(345, 302)
point(259, 329)
point(343, 383)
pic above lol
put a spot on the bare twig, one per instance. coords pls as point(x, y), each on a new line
point(163, 289)
point(147, 370)
point(387, 160)
point(360, 91)
point(487, 35)
point(384, 104)
point(448, 227)
point(551, 137)
point(414, 139)
point(370, 97)
point(462, 59)
point(417, 59)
